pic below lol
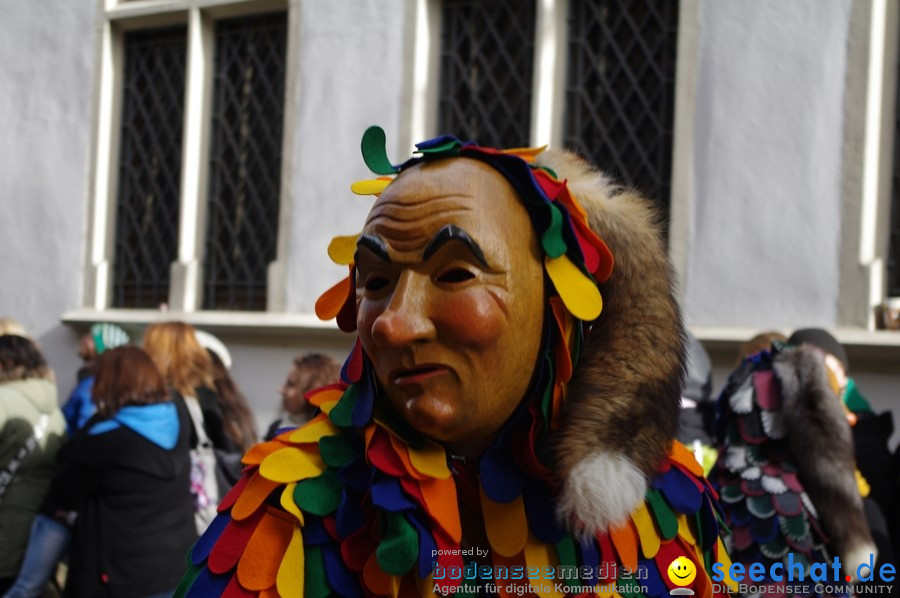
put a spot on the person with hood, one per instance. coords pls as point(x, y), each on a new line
point(508, 407)
point(123, 484)
point(31, 431)
point(79, 407)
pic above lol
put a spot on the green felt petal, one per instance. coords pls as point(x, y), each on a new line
point(399, 546)
point(552, 239)
point(319, 496)
point(374, 153)
point(342, 413)
point(316, 585)
point(623, 585)
point(665, 518)
point(449, 147)
point(186, 582)
point(565, 550)
point(336, 451)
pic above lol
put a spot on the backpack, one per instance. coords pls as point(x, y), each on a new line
point(204, 486)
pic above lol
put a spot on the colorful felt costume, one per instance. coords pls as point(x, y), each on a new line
point(785, 473)
point(357, 503)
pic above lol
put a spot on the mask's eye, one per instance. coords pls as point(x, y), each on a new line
point(455, 275)
point(376, 283)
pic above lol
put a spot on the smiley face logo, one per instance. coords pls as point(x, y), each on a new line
point(682, 571)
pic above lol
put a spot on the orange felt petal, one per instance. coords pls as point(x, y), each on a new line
point(680, 454)
point(625, 540)
point(332, 394)
point(563, 324)
point(256, 491)
point(270, 593)
point(329, 304)
point(258, 452)
point(400, 449)
point(258, 567)
point(506, 525)
point(375, 578)
point(509, 588)
point(440, 498)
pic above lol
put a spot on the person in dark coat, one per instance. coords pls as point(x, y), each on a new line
point(123, 484)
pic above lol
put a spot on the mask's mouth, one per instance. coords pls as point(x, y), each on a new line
point(417, 374)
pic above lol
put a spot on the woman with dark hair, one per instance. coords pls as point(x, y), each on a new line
point(32, 429)
point(123, 484)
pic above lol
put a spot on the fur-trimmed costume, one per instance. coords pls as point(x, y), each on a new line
point(582, 484)
point(786, 470)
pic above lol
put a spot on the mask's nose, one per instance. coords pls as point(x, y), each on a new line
point(406, 320)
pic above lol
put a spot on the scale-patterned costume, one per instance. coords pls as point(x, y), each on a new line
point(357, 503)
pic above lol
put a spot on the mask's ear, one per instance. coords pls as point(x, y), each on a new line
point(822, 446)
point(622, 408)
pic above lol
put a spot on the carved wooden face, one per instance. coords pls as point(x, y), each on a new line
point(450, 300)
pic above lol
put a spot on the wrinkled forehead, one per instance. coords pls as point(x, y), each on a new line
point(427, 195)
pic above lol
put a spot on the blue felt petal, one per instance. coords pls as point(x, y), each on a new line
point(710, 525)
point(341, 579)
point(436, 142)
point(764, 530)
point(208, 584)
point(680, 492)
point(200, 551)
point(590, 557)
point(356, 475)
point(426, 546)
point(365, 400)
point(538, 503)
point(653, 582)
point(388, 494)
point(500, 478)
point(349, 516)
point(314, 532)
point(740, 516)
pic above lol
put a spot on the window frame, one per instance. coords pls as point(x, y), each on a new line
point(115, 18)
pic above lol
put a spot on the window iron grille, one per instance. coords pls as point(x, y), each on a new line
point(146, 237)
point(245, 160)
point(620, 93)
point(487, 59)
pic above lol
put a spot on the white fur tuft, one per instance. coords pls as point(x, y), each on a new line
point(601, 492)
point(857, 556)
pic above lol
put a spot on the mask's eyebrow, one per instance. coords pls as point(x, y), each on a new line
point(450, 232)
point(373, 244)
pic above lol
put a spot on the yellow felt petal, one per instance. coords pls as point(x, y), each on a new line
point(290, 574)
point(288, 504)
point(526, 153)
point(505, 524)
point(370, 186)
point(327, 406)
point(313, 430)
point(538, 554)
point(578, 292)
point(425, 586)
point(723, 558)
point(291, 465)
point(607, 590)
point(430, 460)
point(317, 397)
point(342, 249)
point(646, 531)
point(685, 531)
point(395, 586)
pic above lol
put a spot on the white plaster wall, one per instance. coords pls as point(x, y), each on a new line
point(354, 64)
point(767, 161)
point(46, 78)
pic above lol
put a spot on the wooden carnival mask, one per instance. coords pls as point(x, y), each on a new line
point(450, 299)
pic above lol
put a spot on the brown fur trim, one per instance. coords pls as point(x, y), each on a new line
point(822, 446)
point(625, 392)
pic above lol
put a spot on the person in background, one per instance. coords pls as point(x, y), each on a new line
point(187, 369)
point(761, 342)
point(309, 371)
point(698, 408)
point(123, 484)
point(102, 336)
point(32, 429)
point(11, 326)
point(237, 417)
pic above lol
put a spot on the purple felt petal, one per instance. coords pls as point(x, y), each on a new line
point(767, 396)
point(204, 545)
point(679, 491)
point(387, 494)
